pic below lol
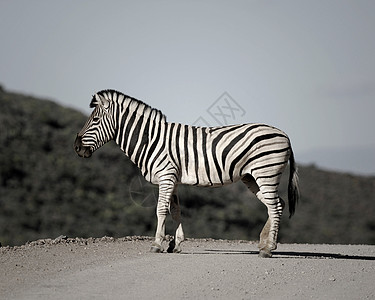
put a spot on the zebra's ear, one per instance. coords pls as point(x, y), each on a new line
point(93, 102)
point(99, 100)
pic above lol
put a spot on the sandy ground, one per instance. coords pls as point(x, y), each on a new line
point(107, 268)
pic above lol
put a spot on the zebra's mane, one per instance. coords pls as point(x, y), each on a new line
point(113, 95)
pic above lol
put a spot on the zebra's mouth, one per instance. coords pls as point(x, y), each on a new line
point(81, 150)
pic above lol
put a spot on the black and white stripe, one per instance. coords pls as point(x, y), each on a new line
point(170, 153)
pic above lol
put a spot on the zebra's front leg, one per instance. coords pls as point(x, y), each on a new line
point(175, 244)
point(162, 210)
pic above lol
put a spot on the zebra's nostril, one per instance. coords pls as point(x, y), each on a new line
point(78, 148)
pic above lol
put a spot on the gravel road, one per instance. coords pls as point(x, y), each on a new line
point(107, 268)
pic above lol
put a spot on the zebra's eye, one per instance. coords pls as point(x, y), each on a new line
point(96, 119)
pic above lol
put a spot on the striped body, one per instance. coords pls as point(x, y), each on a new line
point(213, 156)
point(222, 155)
point(170, 153)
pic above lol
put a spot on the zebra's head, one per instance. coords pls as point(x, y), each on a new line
point(99, 128)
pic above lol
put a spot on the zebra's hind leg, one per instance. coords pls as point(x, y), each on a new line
point(275, 205)
point(264, 234)
point(266, 230)
point(175, 244)
point(268, 236)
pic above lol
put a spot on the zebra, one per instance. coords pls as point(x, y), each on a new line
point(169, 154)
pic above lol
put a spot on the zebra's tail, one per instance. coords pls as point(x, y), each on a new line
point(293, 189)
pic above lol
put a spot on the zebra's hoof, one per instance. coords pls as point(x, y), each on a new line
point(265, 253)
point(156, 248)
point(177, 250)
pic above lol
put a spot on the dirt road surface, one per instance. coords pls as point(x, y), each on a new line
point(107, 268)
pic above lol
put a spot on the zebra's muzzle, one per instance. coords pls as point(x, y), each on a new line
point(81, 150)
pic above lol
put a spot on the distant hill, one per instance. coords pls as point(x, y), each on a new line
point(46, 190)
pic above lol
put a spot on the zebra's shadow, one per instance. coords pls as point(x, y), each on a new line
point(287, 254)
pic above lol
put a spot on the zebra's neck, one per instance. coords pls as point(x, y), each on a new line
point(137, 129)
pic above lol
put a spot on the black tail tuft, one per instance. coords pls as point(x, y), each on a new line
point(293, 189)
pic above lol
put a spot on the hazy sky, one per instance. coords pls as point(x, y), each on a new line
point(307, 67)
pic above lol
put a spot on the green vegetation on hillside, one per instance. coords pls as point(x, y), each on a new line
point(46, 190)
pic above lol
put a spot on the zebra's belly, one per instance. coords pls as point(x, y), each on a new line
point(203, 179)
